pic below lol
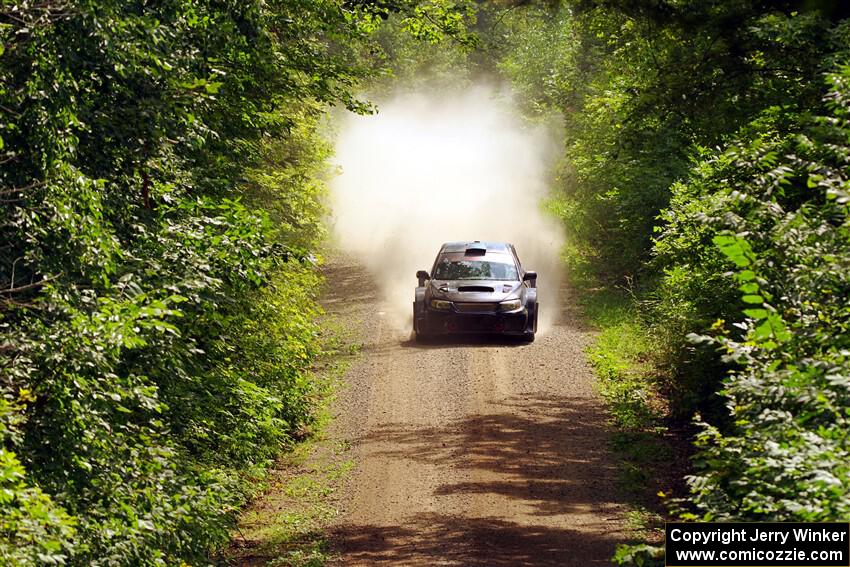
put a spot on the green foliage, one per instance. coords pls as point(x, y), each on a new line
point(638, 85)
point(769, 216)
point(35, 531)
point(434, 20)
point(639, 555)
point(621, 356)
point(422, 59)
point(785, 455)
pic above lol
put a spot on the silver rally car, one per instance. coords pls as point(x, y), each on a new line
point(476, 287)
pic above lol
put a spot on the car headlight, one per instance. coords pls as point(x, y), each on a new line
point(510, 305)
point(441, 305)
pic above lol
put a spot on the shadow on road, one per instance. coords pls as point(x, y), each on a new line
point(541, 454)
point(552, 463)
point(458, 540)
point(347, 285)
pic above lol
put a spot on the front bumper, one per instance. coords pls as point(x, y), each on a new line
point(446, 323)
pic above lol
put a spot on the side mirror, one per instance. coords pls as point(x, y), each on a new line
point(422, 276)
point(529, 276)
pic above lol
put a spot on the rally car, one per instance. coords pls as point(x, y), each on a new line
point(476, 287)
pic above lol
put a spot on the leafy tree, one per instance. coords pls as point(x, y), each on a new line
point(639, 83)
point(785, 228)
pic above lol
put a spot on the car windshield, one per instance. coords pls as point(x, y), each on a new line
point(468, 269)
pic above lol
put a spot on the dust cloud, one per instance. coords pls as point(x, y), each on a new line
point(432, 168)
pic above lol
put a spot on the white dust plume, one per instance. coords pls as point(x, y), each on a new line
point(432, 168)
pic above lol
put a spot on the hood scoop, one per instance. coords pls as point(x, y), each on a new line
point(478, 288)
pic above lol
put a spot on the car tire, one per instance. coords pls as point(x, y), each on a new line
point(415, 326)
point(528, 336)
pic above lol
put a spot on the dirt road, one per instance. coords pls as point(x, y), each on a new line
point(474, 452)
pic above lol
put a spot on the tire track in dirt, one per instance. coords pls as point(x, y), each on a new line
point(471, 452)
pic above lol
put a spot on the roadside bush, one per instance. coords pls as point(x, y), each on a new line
point(695, 289)
point(768, 216)
point(35, 530)
point(786, 230)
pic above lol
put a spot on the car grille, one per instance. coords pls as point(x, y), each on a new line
point(476, 307)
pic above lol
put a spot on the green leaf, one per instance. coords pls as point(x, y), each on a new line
point(763, 330)
point(749, 288)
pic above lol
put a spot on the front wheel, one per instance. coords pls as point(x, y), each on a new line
point(415, 329)
point(418, 335)
point(528, 336)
